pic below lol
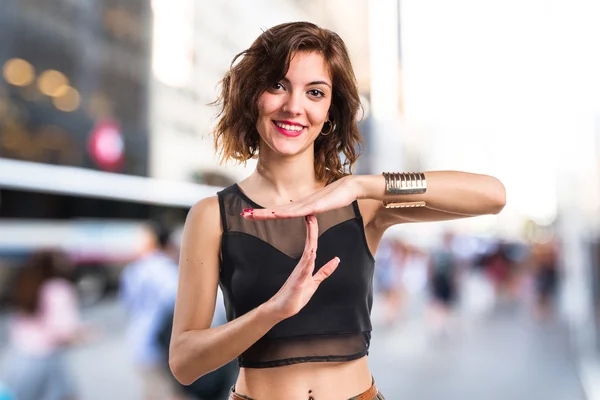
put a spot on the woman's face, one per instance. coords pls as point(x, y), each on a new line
point(292, 111)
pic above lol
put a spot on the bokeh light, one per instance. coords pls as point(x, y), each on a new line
point(18, 72)
point(53, 83)
point(68, 101)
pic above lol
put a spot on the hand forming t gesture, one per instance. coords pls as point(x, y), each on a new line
point(302, 284)
point(335, 195)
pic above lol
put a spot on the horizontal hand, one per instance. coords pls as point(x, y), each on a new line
point(335, 195)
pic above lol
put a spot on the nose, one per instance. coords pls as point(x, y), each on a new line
point(293, 104)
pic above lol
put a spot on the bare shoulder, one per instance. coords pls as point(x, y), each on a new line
point(205, 210)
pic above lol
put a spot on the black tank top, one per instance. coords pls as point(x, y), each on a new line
point(258, 257)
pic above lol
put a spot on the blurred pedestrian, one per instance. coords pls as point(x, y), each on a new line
point(148, 287)
point(45, 324)
point(443, 284)
point(388, 261)
point(499, 270)
point(414, 277)
point(544, 257)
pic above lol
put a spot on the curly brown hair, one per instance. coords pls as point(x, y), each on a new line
point(267, 61)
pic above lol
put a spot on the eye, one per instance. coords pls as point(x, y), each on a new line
point(316, 93)
point(277, 86)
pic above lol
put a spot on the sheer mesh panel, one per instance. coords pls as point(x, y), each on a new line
point(286, 235)
point(335, 325)
point(277, 352)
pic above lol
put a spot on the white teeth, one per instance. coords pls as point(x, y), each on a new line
point(287, 127)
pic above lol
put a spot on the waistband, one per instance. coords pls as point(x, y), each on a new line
point(370, 394)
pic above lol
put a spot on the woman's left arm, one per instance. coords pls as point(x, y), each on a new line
point(449, 195)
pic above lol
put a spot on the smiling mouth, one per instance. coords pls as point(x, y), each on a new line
point(291, 130)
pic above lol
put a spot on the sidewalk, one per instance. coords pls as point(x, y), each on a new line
point(590, 377)
point(504, 356)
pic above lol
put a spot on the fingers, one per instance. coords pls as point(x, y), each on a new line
point(306, 266)
point(262, 214)
point(310, 246)
point(326, 270)
point(309, 266)
point(312, 234)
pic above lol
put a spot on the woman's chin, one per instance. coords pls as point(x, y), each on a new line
point(289, 152)
point(286, 149)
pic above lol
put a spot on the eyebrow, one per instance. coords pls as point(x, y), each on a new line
point(310, 83)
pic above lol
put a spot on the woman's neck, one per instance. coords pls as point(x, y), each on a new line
point(284, 178)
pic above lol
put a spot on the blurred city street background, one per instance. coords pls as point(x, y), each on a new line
point(105, 145)
point(504, 356)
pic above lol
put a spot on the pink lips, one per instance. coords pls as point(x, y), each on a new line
point(289, 133)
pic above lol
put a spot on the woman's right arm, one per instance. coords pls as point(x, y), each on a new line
point(196, 349)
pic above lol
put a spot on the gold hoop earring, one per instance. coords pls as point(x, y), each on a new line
point(331, 128)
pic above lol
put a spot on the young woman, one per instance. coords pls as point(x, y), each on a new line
point(291, 246)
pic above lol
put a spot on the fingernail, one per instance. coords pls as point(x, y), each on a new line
point(248, 210)
point(338, 259)
point(273, 212)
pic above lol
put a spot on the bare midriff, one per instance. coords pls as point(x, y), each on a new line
point(319, 380)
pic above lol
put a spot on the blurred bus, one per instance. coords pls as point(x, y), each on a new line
point(96, 217)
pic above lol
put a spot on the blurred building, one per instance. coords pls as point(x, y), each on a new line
point(74, 87)
point(73, 91)
point(523, 105)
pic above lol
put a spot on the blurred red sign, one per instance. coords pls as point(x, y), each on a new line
point(106, 145)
